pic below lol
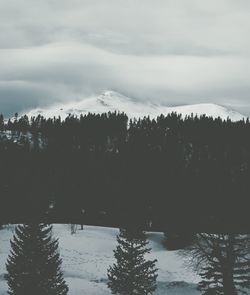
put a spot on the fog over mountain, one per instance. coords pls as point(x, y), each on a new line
point(170, 52)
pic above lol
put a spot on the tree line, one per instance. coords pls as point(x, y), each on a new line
point(168, 173)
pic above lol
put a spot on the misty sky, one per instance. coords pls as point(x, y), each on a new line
point(165, 51)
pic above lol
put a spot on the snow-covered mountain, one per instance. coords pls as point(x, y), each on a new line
point(113, 101)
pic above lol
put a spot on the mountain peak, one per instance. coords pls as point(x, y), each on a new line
point(110, 97)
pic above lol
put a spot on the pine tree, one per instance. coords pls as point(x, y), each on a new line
point(132, 273)
point(223, 262)
point(34, 264)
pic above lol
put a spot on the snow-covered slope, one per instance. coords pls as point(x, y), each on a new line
point(113, 101)
point(87, 255)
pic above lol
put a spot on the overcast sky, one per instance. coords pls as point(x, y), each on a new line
point(165, 51)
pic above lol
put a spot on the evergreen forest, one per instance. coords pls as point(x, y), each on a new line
point(167, 174)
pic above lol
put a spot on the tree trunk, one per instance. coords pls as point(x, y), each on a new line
point(228, 285)
point(228, 278)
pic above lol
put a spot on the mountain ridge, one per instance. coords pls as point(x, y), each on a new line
point(114, 101)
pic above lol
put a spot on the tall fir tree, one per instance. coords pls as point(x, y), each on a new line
point(34, 264)
point(132, 274)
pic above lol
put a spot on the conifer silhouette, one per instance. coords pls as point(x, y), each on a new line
point(34, 264)
point(132, 274)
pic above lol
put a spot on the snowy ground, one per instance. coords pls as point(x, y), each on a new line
point(87, 255)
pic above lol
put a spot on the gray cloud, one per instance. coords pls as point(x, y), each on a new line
point(168, 51)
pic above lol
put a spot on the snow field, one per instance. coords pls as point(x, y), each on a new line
point(87, 255)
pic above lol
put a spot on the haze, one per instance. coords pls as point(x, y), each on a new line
point(166, 51)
